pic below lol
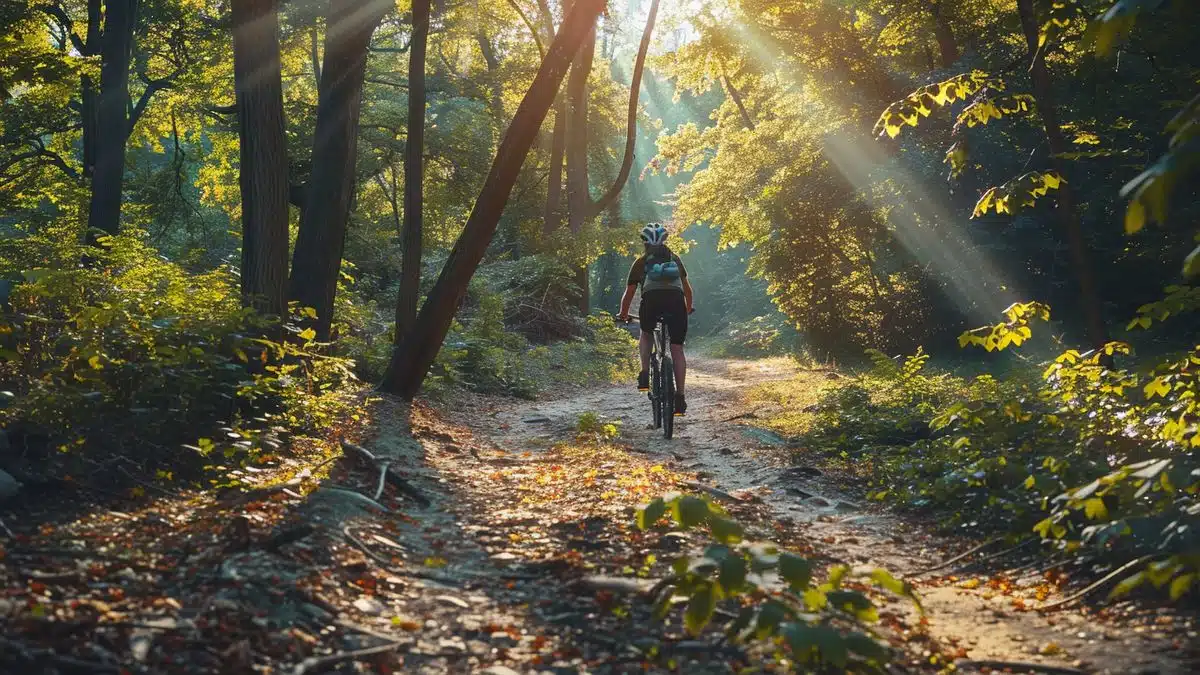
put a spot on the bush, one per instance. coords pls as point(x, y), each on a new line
point(1094, 459)
point(129, 353)
point(822, 624)
point(757, 337)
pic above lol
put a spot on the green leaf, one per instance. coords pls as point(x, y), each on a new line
point(701, 607)
point(733, 573)
point(854, 603)
point(770, 615)
point(828, 642)
point(648, 515)
point(1182, 584)
point(690, 511)
point(1127, 585)
point(796, 571)
point(866, 647)
point(726, 531)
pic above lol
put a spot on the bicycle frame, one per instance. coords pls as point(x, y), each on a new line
point(662, 379)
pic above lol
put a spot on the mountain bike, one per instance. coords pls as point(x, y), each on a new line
point(662, 378)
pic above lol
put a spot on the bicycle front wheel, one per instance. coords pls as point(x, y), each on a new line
point(656, 391)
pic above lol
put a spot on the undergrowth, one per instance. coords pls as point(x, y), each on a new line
point(114, 357)
point(1098, 461)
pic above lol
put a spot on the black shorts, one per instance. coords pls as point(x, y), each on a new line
point(669, 303)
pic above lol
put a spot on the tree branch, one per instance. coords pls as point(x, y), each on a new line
point(635, 86)
point(537, 38)
point(152, 87)
point(60, 15)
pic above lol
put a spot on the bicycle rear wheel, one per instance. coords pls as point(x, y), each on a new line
point(668, 398)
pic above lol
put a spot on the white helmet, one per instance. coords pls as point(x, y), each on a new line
point(654, 234)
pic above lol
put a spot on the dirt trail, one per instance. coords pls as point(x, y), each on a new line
point(985, 623)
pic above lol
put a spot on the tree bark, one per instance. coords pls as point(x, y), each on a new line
point(581, 207)
point(944, 34)
point(414, 174)
point(264, 167)
point(87, 92)
point(411, 362)
point(552, 218)
point(1047, 109)
point(112, 122)
point(329, 192)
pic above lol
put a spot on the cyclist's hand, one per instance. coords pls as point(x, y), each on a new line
point(623, 318)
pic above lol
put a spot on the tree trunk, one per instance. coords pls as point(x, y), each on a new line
point(1043, 93)
point(552, 218)
point(264, 166)
point(414, 175)
point(944, 34)
point(579, 199)
point(412, 360)
point(112, 122)
point(87, 87)
point(329, 192)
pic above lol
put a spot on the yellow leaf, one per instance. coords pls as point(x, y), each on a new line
point(94, 362)
point(308, 335)
point(1135, 216)
point(1095, 508)
point(1158, 386)
point(1191, 264)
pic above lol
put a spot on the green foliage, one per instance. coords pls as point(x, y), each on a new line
point(1019, 193)
point(758, 337)
point(923, 101)
point(778, 595)
point(132, 351)
point(1099, 461)
point(589, 425)
point(1012, 332)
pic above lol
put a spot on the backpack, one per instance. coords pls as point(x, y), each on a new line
point(660, 264)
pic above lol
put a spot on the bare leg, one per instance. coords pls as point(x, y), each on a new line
point(644, 343)
point(680, 363)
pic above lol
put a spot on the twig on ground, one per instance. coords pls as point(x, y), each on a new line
point(960, 556)
point(1019, 667)
point(387, 564)
point(993, 556)
point(383, 472)
point(358, 496)
point(752, 414)
point(63, 662)
point(235, 498)
point(716, 492)
point(1097, 584)
point(319, 663)
point(386, 473)
point(152, 486)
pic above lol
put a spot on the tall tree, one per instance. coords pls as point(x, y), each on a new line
point(1058, 146)
point(112, 116)
point(316, 261)
point(411, 360)
point(264, 167)
point(414, 173)
point(580, 205)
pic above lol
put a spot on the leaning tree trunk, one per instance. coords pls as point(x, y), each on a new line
point(411, 361)
point(111, 121)
point(317, 259)
point(264, 167)
point(1080, 258)
point(414, 175)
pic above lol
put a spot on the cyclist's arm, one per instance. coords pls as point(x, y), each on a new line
point(627, 300)
point(687, 294)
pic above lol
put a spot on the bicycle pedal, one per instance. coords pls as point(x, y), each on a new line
point(679, 414)
point(644, 390)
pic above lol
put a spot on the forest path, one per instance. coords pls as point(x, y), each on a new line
point(503, 543)
point(972, 618)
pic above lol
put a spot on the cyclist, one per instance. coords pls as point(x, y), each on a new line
point(665, 291)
